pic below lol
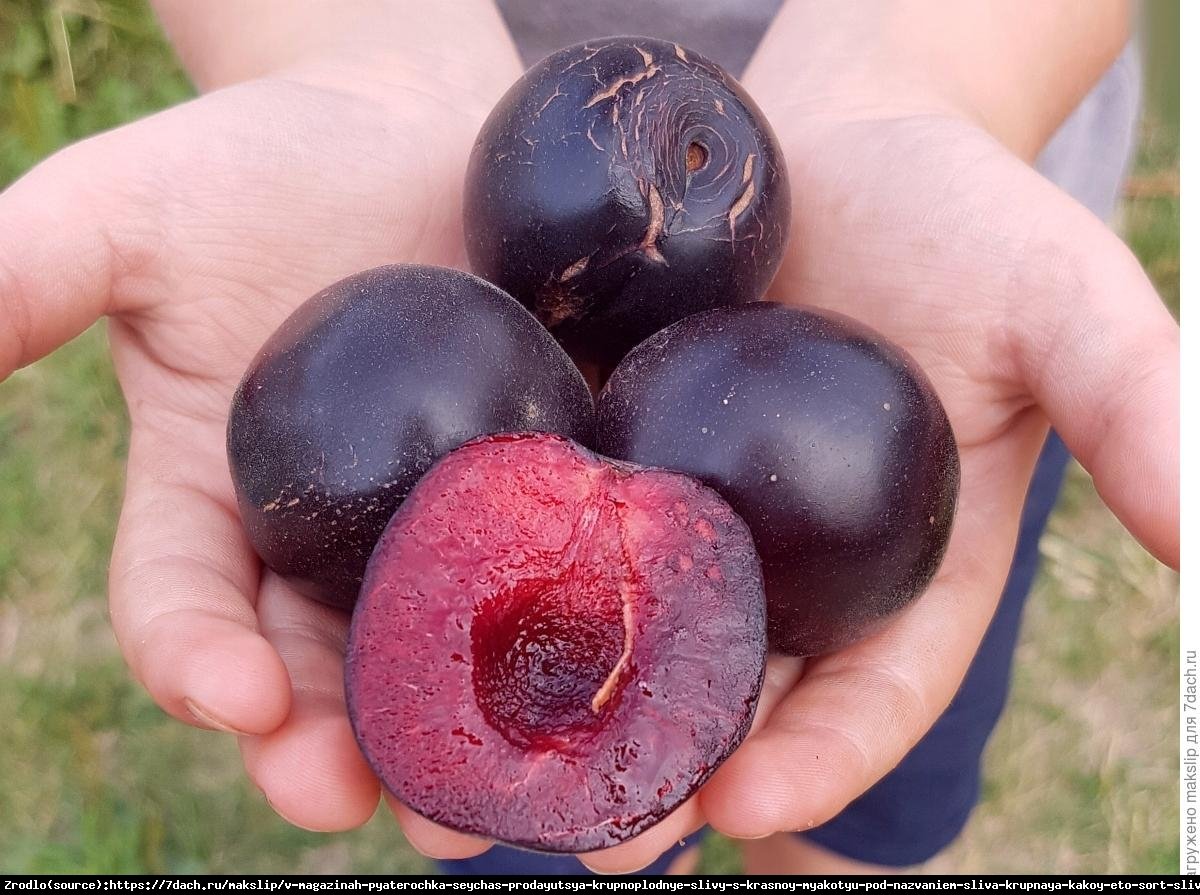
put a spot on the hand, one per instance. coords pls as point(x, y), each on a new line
point(1023, 309)
point(197, 231)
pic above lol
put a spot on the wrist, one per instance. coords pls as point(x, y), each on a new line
point(457, 49)
point(1015, 68)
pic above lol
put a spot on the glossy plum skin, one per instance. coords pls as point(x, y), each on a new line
point(828, 440)
point(621, 185)
point(358, 392)
point(552, 649)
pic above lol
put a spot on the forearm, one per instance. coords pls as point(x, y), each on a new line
point(226, 41)
point(1018, 67)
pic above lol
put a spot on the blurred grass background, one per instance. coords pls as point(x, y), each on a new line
point(1081, 775)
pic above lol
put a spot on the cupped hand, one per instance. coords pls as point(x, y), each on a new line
point(196, 232)
point(1024, 309)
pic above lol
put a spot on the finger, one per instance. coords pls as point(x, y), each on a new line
point(433, 840)
point(1101, 355)
point(310, 769)
point(637, 853)
point(782, 675)
point(182, 587)
point(60, 259)
point(645, 848)
point(855, 713)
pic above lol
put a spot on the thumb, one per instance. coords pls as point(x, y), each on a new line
point(1101, 355)
point(64, 246)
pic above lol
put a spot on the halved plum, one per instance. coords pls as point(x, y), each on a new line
point(554, 649)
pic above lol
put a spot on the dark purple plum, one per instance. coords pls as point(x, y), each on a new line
point(621, 185)
point(552, 649)
point(357, 394)
point(828, 440)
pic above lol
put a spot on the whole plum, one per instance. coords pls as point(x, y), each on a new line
point(361, 390)
point(828, 440)
point(621, 185)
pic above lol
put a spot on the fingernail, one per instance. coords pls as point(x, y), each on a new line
point(287, 819)
point(424, 854)
point(610, 872)
point(598, 871)
point(207, 718)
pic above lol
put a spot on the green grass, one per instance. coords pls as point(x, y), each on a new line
point(1082, 772)
point(1080, 775)
point(69, 69)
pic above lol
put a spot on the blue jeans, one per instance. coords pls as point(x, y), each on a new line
point(922, 805)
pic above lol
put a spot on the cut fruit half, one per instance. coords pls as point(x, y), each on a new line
point(553, 649)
